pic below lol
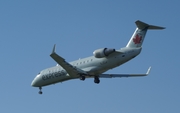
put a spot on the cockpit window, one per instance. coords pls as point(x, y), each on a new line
point(38, 74)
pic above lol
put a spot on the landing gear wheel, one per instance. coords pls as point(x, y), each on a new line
point(82, 77)
point(40, 92)
point(96, 80)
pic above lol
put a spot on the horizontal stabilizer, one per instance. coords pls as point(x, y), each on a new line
point(142, 25)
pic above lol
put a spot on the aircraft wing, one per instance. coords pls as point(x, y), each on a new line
point(71, 70)
point(123, 75)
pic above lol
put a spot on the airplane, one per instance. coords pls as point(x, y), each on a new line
point(95, 66)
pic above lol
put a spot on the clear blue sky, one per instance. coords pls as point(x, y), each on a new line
point(30, 28)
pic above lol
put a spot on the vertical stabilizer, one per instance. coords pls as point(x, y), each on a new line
point(140, 33)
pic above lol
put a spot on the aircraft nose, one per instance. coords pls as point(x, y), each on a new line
point(35, 82)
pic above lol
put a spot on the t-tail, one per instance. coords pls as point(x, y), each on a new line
point(140, 33)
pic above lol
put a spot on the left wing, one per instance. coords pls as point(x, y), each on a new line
point(123, 75)
point(70, 69)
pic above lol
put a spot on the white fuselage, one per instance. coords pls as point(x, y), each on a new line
point(93, 66)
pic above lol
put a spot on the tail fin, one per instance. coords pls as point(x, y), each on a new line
point(139, 34)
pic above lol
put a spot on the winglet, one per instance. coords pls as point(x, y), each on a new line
point(148, 71)
point(54, 48)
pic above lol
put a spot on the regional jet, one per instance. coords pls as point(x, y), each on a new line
point(95, 66)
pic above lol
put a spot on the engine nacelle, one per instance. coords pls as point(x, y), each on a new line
point(104, 52)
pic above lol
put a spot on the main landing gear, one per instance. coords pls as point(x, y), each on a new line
point(40, 92)
point(82, 77)
point(96, 80)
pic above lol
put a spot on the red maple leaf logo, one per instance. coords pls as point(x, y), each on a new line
point(137, 39)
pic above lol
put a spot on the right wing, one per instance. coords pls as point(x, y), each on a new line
point(123, 75)
point(70, 69)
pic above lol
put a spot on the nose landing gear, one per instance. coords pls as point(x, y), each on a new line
point(40, 92)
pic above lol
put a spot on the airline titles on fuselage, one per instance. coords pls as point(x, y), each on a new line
point(54, 75)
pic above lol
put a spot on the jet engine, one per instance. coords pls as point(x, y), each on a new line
point(104, 52)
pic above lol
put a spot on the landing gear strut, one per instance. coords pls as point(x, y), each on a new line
point(96, 80)
point(40, 92)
